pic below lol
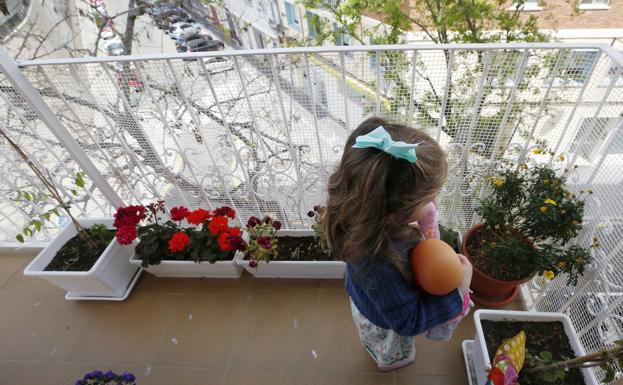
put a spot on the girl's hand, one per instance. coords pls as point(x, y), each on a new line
point(467, 274)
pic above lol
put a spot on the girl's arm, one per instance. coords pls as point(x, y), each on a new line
point(429, 223)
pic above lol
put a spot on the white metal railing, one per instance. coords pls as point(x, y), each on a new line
point(262, 130)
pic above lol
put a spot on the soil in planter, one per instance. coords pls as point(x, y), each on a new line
point(540, 336)
point(308, 249)
point(75, 255)
point(506, 272)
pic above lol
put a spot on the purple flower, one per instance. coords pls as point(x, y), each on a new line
point(311, 214)
point(80, 382)
point(265, 242)
point(277, 225)
point(252, 264)
point(317, 209)
point(253, 221)
point(128, 377)
point(93, 375)
point(109, 375)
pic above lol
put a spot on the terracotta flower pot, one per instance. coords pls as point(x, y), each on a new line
point(489, 291)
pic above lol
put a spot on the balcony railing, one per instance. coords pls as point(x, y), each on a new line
point(261, 131)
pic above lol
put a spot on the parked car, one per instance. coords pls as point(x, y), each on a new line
point(182, 45)
point(115, 48)
point(180, 19)
point(218, 64)
point(176, 25)
point(201, 46)
point(184, 31)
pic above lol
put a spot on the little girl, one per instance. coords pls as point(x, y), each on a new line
point(387, 179)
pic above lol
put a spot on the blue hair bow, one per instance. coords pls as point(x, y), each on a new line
point(380, 139)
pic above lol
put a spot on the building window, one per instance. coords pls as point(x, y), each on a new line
point(598, 131)
point(292, 16)
point(341, 38)
point(527, 6)
point(594, 4)
point(576, 67)
point(312, 22)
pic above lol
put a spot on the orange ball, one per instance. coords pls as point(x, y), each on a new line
point(436, 267)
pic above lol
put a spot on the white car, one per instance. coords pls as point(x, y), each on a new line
point(115, 48)
point(183, 31)
point(218, 64)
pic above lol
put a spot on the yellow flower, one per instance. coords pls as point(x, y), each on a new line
point(537, 151)
point(561, 157)
point(550, 201)
point(545, 181)
point(498, 182)
point(493, 245)
point(543, 209)
point(549, 274)
point(561, 264)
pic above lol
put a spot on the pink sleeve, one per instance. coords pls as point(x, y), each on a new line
point(429, 223)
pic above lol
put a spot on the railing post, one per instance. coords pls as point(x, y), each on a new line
point(36, 102)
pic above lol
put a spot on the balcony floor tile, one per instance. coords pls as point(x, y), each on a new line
point(200, 331)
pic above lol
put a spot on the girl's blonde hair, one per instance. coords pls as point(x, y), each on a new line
point(373, 194)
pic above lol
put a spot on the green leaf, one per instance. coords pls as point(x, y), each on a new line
point(550, 376)
point(19, 196)
point(27, 196)
point(20, 238)
point(55, 211)
point(27, 231)
point(546, 356)
point(74, 192)
point(79, 180)
point(37, 224)
point(47, 215)
point(609, 375)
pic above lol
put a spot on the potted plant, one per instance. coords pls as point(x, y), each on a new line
point(529, 221)
point(275, 253)
point(197, 243)
point(82, 258)
point(97, 377)
point(451, 237)
point(553, 352)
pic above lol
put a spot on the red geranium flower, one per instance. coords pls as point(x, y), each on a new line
point(198, 216)
point(129, 216)
point(125, 235)
point(218, 225)
point(277, 225)
point(234, 231)
point(178, 242)
point(223, 241)
point(179, 213)
point(225, 211)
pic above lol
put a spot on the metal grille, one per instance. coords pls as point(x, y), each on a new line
point(261, 131)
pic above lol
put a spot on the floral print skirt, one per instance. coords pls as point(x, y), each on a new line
point(389, 349)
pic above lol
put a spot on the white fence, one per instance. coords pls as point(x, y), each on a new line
point(261, 130)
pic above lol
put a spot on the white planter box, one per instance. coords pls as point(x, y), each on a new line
point(481, 356)
point(111, 277)
point(295, 269)
point(192, 269)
